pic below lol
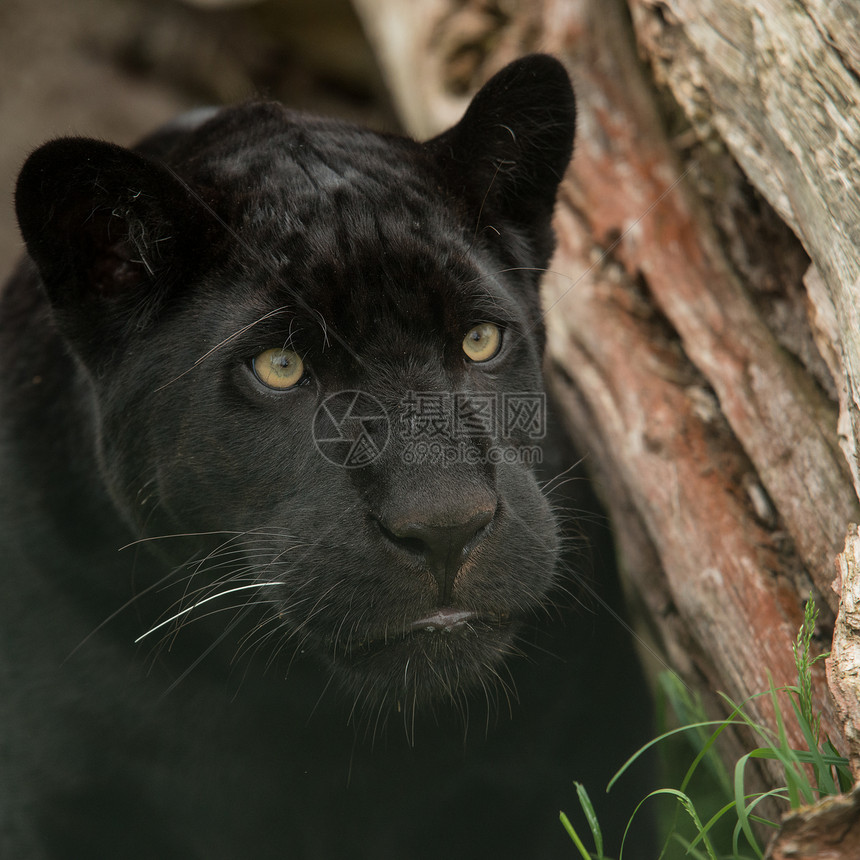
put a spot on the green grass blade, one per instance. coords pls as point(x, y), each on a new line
point(703, 752)
point(573, 835)
point(831, 759)
point(712, 821)
point(687, 804)
point(825, 783)
point(742, 809)
point(798, 786)
point(591, 818)
point(843, 771)
point(638, 754)
point(802, 648)
point(688, 709)
point(746, 816)
point(795, 779)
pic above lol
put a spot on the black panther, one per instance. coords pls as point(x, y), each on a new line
point(280, 574)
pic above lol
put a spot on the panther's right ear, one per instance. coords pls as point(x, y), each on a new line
point(111, 231)
point(506, 157)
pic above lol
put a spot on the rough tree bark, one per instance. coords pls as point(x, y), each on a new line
point(703, 308)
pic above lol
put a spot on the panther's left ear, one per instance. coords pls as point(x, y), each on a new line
point(507, 155)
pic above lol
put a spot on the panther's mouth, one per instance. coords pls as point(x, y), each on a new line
point(446, 619)
point(443, 622)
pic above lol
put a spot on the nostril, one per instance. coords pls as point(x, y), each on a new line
point(412, 545)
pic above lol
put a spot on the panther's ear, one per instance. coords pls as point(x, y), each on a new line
point(507, 155)
point(112, 232)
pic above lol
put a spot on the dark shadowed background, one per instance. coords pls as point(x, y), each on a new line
point(115, 69)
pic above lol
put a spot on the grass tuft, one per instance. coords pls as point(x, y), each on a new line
point(730, 831)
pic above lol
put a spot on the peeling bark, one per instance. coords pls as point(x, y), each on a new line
point(830, 830)
point(843, 665)
point(778, 83)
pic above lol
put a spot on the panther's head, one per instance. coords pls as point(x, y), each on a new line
point(318, 348)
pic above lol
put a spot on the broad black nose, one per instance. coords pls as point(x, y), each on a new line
point(442, 538)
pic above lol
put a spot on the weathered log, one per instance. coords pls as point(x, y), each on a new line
point(678, 333)
point(778, 82)
point(843, 665)
point(830, 830)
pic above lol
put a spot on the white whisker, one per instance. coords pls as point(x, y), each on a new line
point(201, 602)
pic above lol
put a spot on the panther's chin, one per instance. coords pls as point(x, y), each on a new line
point(436, 658)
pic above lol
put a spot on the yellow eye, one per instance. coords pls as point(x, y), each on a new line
point(279, 368)
point(482, 342)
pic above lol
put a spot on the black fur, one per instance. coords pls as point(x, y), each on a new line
point(145, 469)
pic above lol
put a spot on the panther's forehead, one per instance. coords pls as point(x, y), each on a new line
point(351, 232)
point(415, 297)
point(266, 153)
point(351, 262)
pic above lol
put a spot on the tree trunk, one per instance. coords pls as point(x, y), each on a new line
point(703, 308)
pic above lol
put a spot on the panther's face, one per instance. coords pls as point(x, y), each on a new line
point(320, 351)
